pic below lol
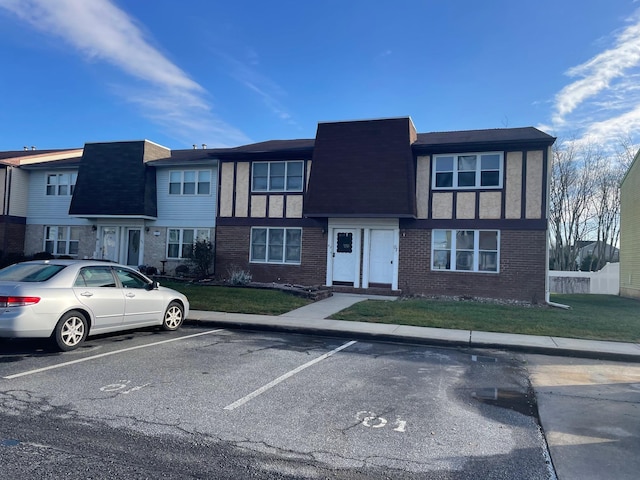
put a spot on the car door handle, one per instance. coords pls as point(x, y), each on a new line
point(130, 295)
point(86, 294)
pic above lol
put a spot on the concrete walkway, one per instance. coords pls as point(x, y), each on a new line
point(312, 318)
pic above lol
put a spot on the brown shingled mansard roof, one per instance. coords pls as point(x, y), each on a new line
point(362, 168)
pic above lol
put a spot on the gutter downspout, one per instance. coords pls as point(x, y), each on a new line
point(6, 208)
point(547, 291)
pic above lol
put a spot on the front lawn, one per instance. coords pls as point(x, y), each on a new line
point(237, 299)
point(595, 317)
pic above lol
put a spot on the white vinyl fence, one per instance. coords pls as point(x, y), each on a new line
point(606, 281)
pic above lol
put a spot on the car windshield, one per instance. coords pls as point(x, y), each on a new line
point(29, 272)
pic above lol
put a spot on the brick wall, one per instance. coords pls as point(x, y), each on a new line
point(232, 251)
point(521, 277)
point(12, 237)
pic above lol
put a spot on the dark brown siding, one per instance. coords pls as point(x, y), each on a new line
point(362, 168)
point(232, 252)
point(521, 277)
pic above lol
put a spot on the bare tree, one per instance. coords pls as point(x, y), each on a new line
point(570, 190)
point(585, 201)
point(605, 205)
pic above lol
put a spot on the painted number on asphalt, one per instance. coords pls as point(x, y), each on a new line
point(372, 420)
point(123, 386)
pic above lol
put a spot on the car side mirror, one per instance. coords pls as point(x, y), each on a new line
point(152, 286)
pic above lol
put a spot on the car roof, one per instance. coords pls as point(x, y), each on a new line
point(68, 262)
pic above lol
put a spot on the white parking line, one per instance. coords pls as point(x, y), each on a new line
point(282, 378)
point(93, 357)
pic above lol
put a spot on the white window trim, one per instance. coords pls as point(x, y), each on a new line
point(181, 243)
point(67, 240)
point(477, 186)
point(286, 171)
point(73, 178)
point(182, 182)
point(284, 246)
point(476, 251)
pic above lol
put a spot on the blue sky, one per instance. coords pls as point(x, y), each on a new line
point(229, 73)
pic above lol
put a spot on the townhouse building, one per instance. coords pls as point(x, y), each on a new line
point(368, 205)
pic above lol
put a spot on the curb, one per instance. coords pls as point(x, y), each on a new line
point(435, 342)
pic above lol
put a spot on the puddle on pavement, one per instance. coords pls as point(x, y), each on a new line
point(9, 442)
point(521, 402)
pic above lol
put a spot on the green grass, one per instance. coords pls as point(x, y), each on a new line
point(595, 317)
point(237, 299)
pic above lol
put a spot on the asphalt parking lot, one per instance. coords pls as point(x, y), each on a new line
point(288, 405)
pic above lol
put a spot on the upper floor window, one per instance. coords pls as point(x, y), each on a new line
point(190, 182)
point(60, 240)
point(465, 250)
point(277, 176)
point(61, 183)
point(181, 240)
point(469, 170)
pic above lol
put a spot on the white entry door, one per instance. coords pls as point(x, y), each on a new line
point(345, 253)
point(110, 243)
point(381, 256)
point(133, 246)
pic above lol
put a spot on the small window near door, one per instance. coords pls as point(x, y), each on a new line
point(345, 242)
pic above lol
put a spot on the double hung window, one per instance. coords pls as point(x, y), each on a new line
point(180, 241)
point(190, 182)
point(277, 176)
point(469, 170)
point(276, 245)
point(62, 240)
point(465, 250)
point(61, 184)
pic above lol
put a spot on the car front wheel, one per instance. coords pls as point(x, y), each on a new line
point(71, 331)
point(173, 317)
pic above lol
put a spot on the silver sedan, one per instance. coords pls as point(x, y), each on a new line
point(67, 300)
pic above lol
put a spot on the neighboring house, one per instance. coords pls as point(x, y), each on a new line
point(366, 205)
point(594, 249)
point(14, 185)
point(132, 202)
point(630, 231)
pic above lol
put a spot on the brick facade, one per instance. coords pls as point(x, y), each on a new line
point(13, 236)
point(521, 277)
point(232, 252)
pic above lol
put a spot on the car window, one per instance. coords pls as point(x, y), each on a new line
point(29, 272)
point(130, 279)
point(95, 277)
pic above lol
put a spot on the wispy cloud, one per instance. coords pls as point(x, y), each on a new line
point(101, 31)
point(247, 74)
point(603, 102)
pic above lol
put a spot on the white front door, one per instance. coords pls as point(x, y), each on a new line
point(133, 246)
point(110, 243)
point(346, 255)
point(121, 244)
point(381, 254)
